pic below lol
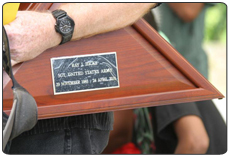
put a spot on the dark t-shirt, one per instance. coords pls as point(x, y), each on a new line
point(186, 38)
point(165, 137)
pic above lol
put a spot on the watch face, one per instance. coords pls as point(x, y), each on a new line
point(65, 26)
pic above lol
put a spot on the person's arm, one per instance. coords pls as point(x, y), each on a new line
point(187, 11)
point(192, 135)
point(122, 130)
point(31, 33)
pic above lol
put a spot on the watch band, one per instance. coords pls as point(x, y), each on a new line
point(58, 13)
point(66, 39)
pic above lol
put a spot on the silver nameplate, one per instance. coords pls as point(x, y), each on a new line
point(84, 73)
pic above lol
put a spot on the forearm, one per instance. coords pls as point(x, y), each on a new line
point(186, 147)
point(31, 33)
point(191, 134)
point(95, 18)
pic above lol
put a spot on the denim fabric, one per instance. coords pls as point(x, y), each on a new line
point(68, 141)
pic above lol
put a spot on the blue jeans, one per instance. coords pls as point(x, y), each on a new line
point(68, 141)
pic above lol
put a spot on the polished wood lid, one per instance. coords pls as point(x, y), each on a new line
point(151, 73)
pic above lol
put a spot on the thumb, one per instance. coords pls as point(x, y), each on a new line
point(13, 62)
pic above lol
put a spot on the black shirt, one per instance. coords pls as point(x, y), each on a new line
point(165, 137)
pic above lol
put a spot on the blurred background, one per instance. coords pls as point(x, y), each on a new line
point(182, 25)
point(215, 47)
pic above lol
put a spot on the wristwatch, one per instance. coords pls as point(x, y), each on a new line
point(64, 25)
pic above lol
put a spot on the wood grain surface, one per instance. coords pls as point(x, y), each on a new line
point(151, 73)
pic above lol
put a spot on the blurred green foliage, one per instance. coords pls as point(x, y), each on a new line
point(215, 23)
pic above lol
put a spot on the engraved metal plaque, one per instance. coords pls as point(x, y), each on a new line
point(84, 73)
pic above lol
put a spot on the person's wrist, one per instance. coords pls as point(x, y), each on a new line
point(56, 37)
